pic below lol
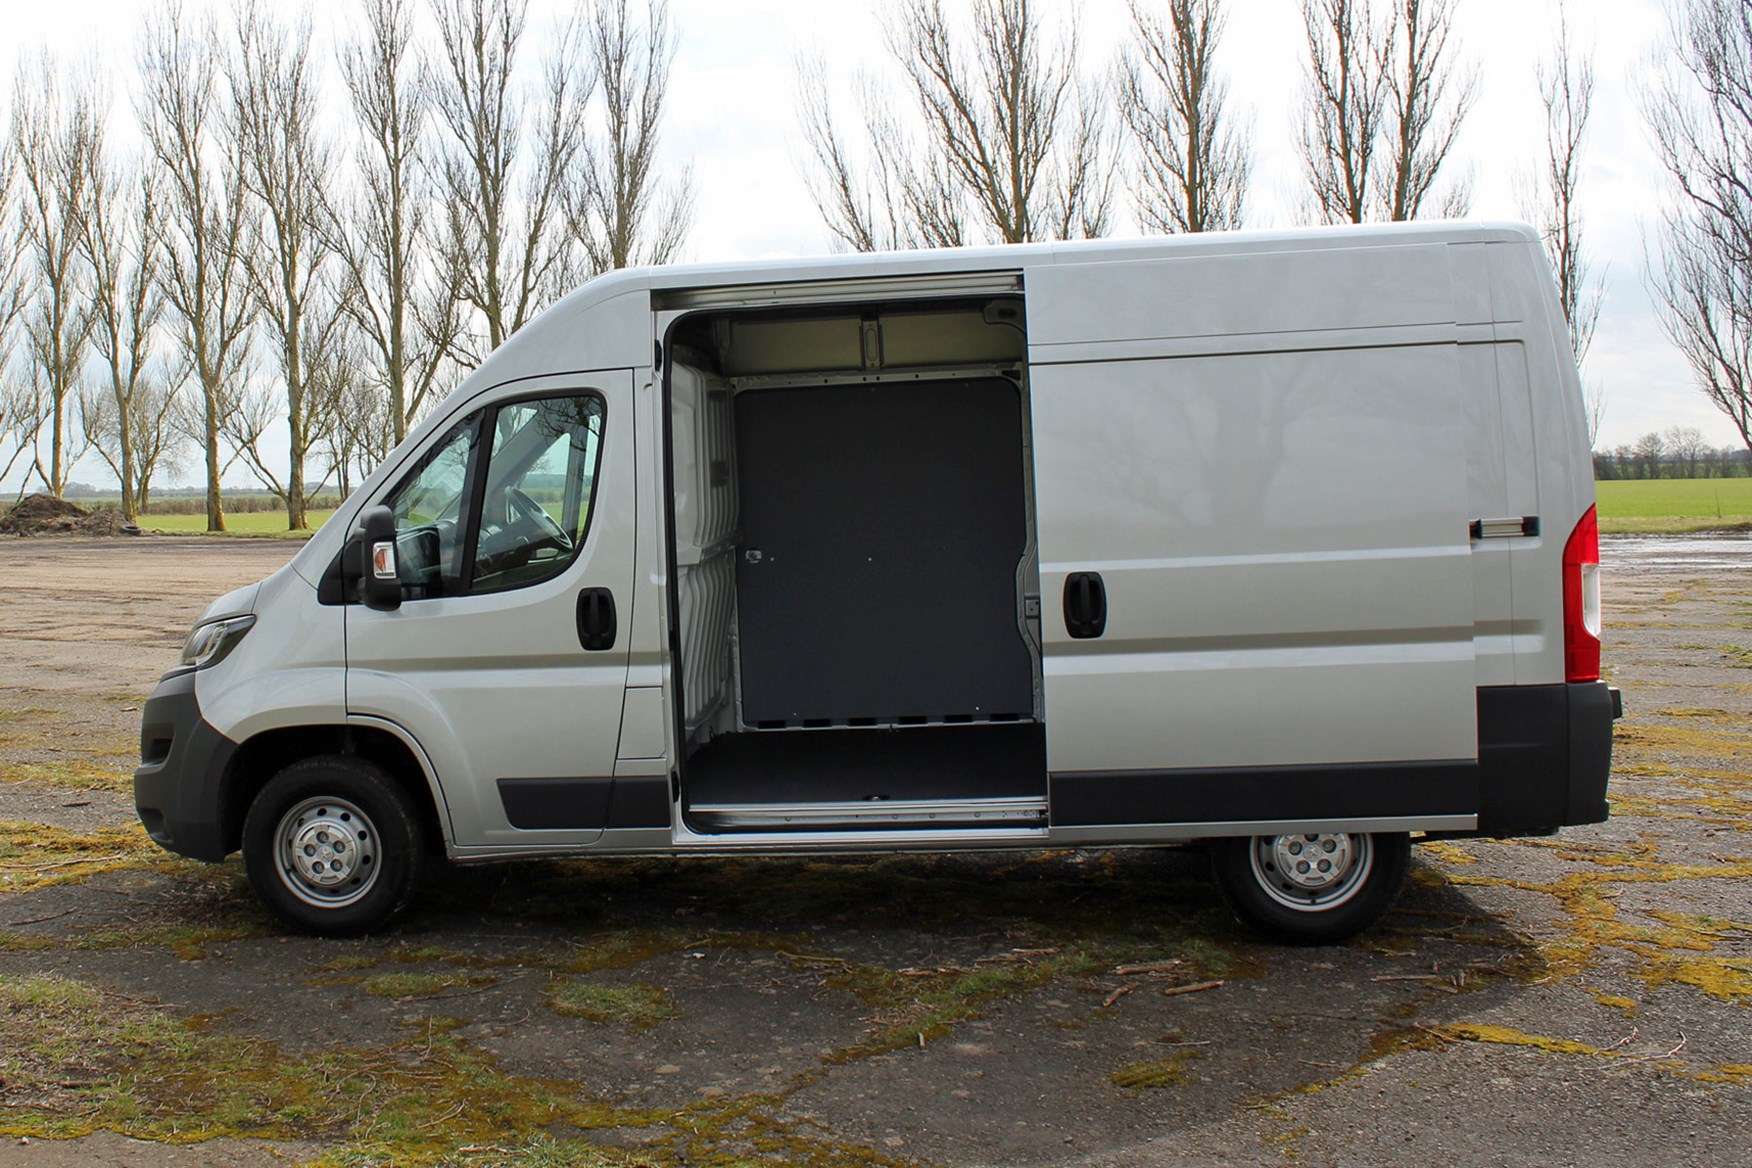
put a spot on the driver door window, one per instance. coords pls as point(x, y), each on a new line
point(464, 528)
point(539, 482)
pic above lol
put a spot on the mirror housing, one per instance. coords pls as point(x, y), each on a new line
point(370, 560)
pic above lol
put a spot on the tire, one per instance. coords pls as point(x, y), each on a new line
point(333, 846)
point(1277, 885)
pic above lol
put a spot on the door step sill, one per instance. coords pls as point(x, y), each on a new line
point(870, 814)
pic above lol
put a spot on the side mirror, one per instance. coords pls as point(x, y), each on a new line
point(369, 560)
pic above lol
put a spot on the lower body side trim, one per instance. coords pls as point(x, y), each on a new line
point(1408, 791)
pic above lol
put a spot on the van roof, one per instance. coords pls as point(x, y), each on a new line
point(1005, 257)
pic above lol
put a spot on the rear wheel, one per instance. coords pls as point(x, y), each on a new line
point(332, 845)
point(1313, 888)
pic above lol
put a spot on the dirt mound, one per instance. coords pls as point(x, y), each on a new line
point(47, 515)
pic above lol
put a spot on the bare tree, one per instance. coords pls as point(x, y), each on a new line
point(506, 166)
point(11, 257)
point(1686, 447)
point(252, 411)
point(12, 442)
point(207, 217)
point(402, 299)
point(1344, 106)
point(1566, 91)
point(1427, 100)
point(1014, 142)
point(1194, 159)
point(286, 168)
point(1649, 451)
point(363, 431)
point(122, 243)
point(620, 211)
point(54, 132)
point(899, 201)
point(1698, 106)
point(1382, 108)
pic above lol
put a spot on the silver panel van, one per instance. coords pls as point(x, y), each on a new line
point(1284, 542)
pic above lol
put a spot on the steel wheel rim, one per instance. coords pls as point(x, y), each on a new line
point(326, 852)
point(1313, 872)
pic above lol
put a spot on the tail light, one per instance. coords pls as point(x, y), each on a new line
point(1581, 601)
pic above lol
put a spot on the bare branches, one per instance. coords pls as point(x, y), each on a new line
point(1566, 88)
point(619, 210)
point(399, 293)
point(1426, 103)
point(1382, 108)
point(54, 132)
point(208, 223)
point(1014, 143)
point(1194, 161)
point(286, 169)
point(1566, 92)
point(1344, 106)
point(505, 166)
point(122, 243)
point(1698, 107)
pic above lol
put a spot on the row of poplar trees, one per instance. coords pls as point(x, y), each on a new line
point(247, 269)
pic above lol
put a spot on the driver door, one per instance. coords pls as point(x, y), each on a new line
point(514, 537)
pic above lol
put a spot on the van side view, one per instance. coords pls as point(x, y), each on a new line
point(1283, 542)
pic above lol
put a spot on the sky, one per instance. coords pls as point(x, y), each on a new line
point(732, 118)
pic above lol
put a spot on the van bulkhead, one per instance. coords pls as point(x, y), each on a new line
point(1280, 541)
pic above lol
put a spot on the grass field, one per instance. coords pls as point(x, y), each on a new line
point(1636, 505)
point(269, 523)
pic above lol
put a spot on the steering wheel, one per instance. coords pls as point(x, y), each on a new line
point(533, 512)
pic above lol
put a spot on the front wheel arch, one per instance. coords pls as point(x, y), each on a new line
point(264, 755)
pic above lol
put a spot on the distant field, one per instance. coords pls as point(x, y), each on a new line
point(1674, 504)
point(248, 523)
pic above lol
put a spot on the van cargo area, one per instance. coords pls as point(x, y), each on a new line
point(857, 592)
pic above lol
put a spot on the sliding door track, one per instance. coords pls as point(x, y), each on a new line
point(870, 815)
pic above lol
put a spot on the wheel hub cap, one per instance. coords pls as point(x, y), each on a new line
point(327, 851)
point(1312, 872)
point(1313, 862)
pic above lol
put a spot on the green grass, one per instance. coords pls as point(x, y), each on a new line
point(1668, 505)
point(248, 523)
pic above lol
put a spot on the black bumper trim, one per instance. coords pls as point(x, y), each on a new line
point(179, 788)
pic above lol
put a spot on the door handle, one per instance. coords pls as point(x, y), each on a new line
point(596, 625)
point(1085, 605)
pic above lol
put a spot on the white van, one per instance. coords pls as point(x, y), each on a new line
point(1281, 541)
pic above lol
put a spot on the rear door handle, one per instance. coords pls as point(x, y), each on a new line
point(596, 624)
point(1085, 605)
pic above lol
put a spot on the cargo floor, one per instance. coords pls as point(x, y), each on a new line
point(838, 766)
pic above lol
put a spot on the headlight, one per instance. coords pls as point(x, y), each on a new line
point(209, 643)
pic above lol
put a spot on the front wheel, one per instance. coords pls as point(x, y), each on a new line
point(333, 846)
point(1312, 889)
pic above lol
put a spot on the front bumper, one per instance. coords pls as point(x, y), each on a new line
point(179, 788)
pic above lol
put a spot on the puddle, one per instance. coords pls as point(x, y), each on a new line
point(1630, 554)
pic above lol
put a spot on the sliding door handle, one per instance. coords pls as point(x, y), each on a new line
point(1085, 605)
